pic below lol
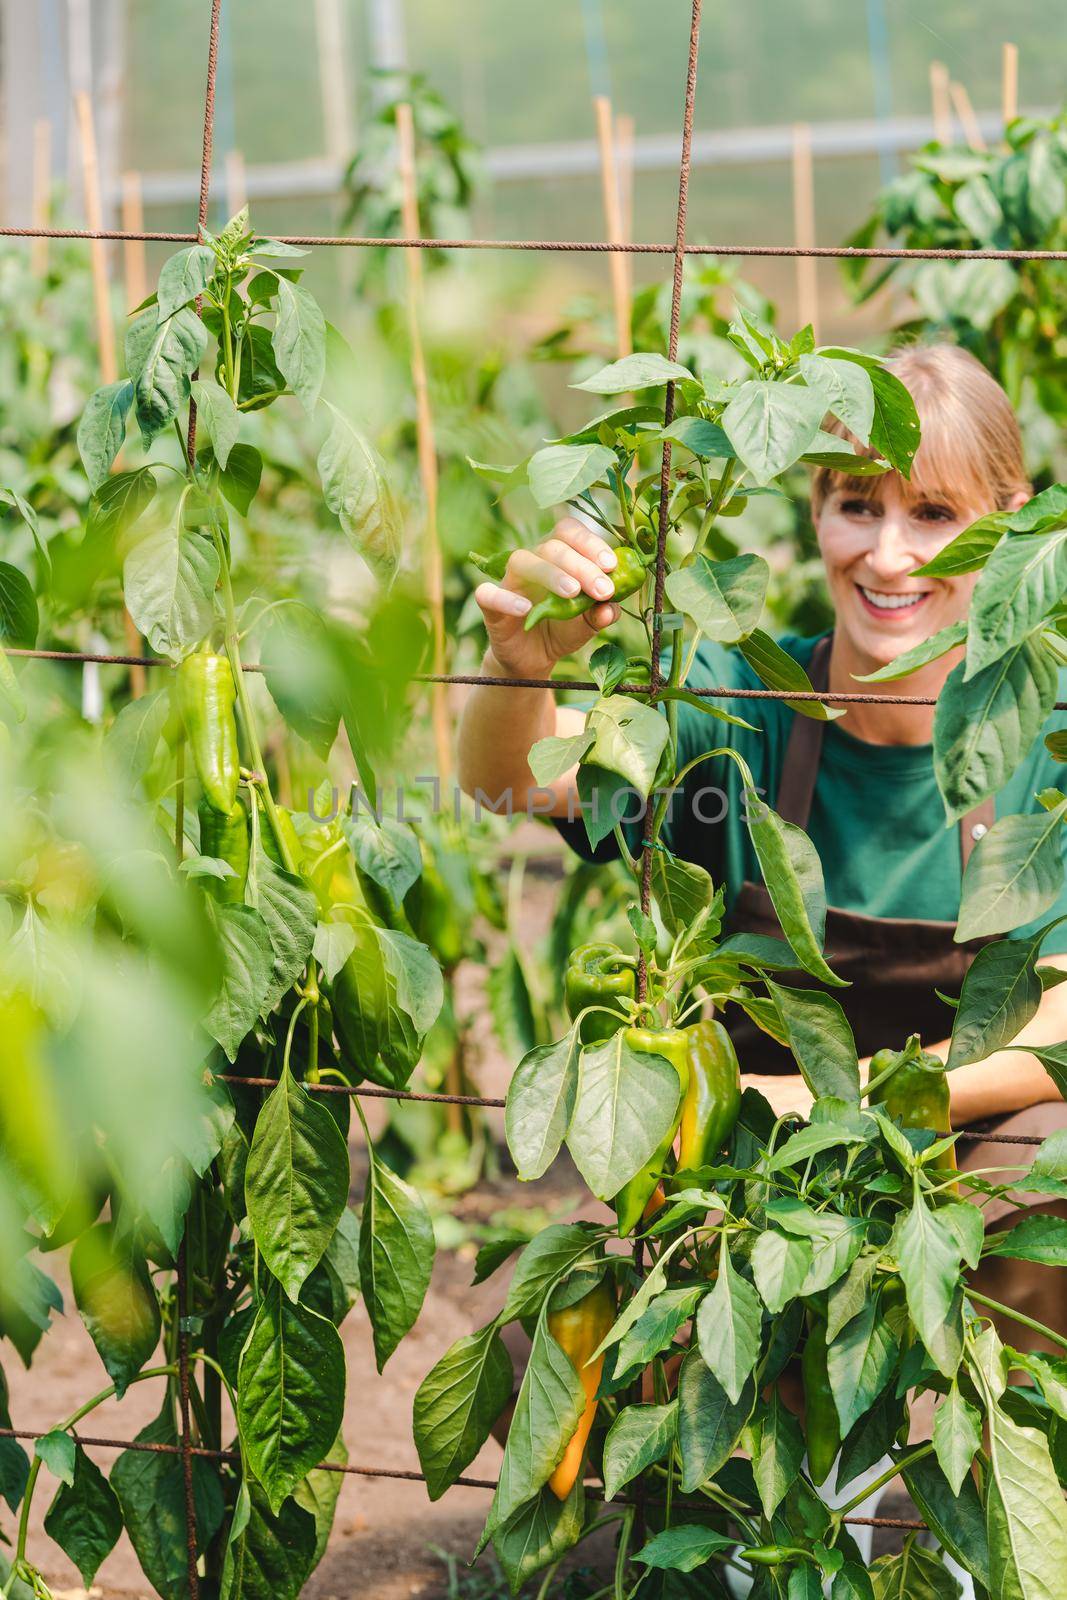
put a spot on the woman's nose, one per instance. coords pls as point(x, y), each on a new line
point(891, 553)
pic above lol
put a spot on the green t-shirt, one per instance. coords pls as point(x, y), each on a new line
point(877, 817)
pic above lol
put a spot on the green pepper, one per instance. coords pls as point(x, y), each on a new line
point(598, 975)
point(439, 920)
point(225, 838)
point(642, 1196)
point(628, 575)
point(288, 831)
point(822, 1429)
point(770, 1555)
point(206, 694)
point(713, 1098)
point(916, 1092)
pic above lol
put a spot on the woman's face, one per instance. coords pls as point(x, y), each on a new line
point(871, 545)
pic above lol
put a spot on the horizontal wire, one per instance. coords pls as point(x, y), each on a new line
point(399, 1473)
point(562, 246)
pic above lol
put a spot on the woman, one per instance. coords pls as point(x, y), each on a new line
point(863, 787)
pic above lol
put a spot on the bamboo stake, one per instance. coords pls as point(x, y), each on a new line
point(609, 179)
point(1009, 82)
point(804, 227)
point(961, 100)
point(940, 103)
point(42, 193)
point(424, 430)
point(134, 255)
point(624, 155)
point(236, 182)
point(105, 332)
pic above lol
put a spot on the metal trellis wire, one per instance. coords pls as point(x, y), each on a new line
point(679, 250)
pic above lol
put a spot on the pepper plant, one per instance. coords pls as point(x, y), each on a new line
point(301, 915)
point(843, 1243)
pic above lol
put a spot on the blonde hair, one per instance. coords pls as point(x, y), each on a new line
point(971, 450)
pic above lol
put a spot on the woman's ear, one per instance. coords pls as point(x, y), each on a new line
point(1019, 499)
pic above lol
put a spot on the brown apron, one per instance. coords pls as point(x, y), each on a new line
point(894, 965)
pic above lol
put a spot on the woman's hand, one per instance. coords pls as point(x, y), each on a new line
point(573, 560)
point(785, 1093)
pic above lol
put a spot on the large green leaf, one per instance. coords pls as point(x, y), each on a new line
point(771, 424)
point(683, 890)
point(984, 726)
point(709, 1423)
point(245, 973)
point(779, 670)
point(120, 502)
point(290, 911)
point(728, 1328)
point(290, 1393)
point(630, 739)
point(895, 426)
point(642, 370)
point(684, 1548)
point(540, 1104)
point(1014, 874)
point(182, 277)
point(861, 1361)
point(1023, 580)
point(777, 1452)
point(150, 1486)
point(161, 358)
point(958, 1521)
point(780, 1266)
point(296, 1182)
point(268, 1556)
point(386, 849)
point(169, 580)
point(539, 1533)
point(550, 1402)
point(793, 875)
point(656, 1326)
point(957, 1436)
point(396, 1252)
point(19, 619)
point(300, 342)
point(914, 1574)
point(929, 1256)
point(118, 1305)
point(724, 598)
point(639, 1436)
point(844, 388)
point(552, 1252)
point(1001, 992)
point(216, 412)
point(102, 429)
point(318, 1495)
point(386, 997)
point(85, 1519)
point(457, 1403)
point(626, 1104)
point(356, 491)
point(821, 1039)
point(1034, 1238)
point(1025, 1513)
point(561, 471)
point(920, 655)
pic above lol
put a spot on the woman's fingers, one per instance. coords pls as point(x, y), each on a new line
point(530, 567)
point(586, 541)
point(501, 602)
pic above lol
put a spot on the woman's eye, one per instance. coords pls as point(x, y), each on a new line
point(929, 511)
point(859, 508)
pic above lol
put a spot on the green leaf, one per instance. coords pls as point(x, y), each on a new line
point(914, 1574)
point(851, 1582)
point(290, 912)
point(639, 1436)
point(150, 1487)
point(958, 1521)
point(895, 428)
point(771, 424)
point(957, 1436)
point(642, 370)
point(654, 1329)
point(820, 1038)
point(218, 414)
point(626, 1104)
point(984, 726)
point(778, 670)
point(387, 851)
point(777, 1452)
point(540, 1104)
point(724, 598)
point(709, 1423)
point(844, 388)
point(812, 1141)
point(18, 609)
point(1048, 1174)
point(1025, 1511)
point(550, 1403)
point(1001, 992)
point(920, 655)
point(728, 1328)
point(551, 757)
point(296, 1182)
point(929, 1256)
point(396, 1252)
point(538, 1534)
point(57, 1451)
point(118, 1305)
point(683, 890)
point(290, 1393)
point(780, 1266)
point(792, 872)
point(554, 1251)
point(1014, 874)
point(1021, 583)
point(705, 439)
point(629, 739)
point(457, 1403)
point(318, 1495)
point(241, 476)
point(860, 1362)
point(356, 491)
point(849, 1295)
point(684, 1548)
point(182, 278)
point(268, 1556)
point(161, 357)
point(169, 580)
point(246, 962)
point(84, 1519)
point(1033, 1238)
point(835, 1240)
point(299, 342)
point(102, 429)
point(561, 471)
point(120, 502)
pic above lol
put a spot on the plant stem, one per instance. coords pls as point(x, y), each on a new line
point(1017, 1316)
point(622, 1554)
point(909, 1460)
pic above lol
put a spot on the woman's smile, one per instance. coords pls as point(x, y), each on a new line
point(892, 605)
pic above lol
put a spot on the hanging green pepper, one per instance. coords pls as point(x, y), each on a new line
point(822, 1430)
point(225, 838)
point(287, 829)
point(206, 694)
point(628, 575)
point(598, 975)
point(643, 1196)
point(713, 1098)
point(916, 1093)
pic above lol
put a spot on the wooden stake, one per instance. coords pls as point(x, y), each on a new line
point(105, 332)
point(940, 104)
point(337, 103)
point(424, 432)
point(609, 179)
point(624, 156)
point(1009, 82)
point(134, 255)
point(961, 100)
point(236, 182)
point(804, 227)
point(42, 193)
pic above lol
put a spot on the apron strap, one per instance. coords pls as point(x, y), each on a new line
point(804, 749)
